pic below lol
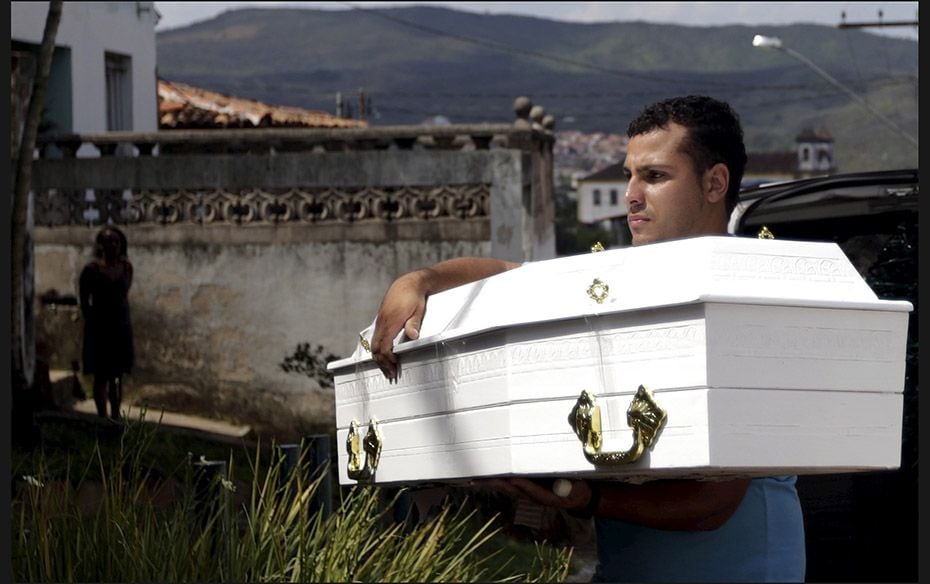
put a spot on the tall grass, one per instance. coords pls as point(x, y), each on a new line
point(274, 534)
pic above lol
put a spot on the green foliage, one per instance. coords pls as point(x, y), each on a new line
point(310, 361)
point(273, 533)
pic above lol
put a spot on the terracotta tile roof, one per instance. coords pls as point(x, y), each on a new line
point(811, 135)
point(182, 106)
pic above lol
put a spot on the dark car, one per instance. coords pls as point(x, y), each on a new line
point(860, 527)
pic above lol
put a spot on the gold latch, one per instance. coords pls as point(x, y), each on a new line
point(364, 342)
point(764, 233)
point(598, 246)
point(644, 416)
point(372, 447)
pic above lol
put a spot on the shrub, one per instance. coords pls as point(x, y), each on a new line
point(274, 534)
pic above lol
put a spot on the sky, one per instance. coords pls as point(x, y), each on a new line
point(177, 14)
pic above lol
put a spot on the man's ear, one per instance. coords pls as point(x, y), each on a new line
point(716, 182)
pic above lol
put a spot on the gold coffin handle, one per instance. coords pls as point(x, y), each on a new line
point(356, 470)
point(644, 416)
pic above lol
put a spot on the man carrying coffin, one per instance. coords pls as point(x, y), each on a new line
point(684, 163)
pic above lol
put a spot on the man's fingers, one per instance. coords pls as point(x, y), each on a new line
point(535, 491)
point(496, 485)
point(383, 354)
point(412, 326)
point(387, 363)
point(577, 497)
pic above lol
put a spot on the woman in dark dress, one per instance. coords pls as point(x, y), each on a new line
point(104, 290)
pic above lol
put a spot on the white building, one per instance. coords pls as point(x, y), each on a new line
point(815, 152)
point(600, 195)
point(103, 75)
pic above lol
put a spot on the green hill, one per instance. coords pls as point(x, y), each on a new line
point(418, 62)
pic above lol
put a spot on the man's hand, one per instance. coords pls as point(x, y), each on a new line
point(540, 492)
point(678, 505)
point(404, 304)
point(403, 307)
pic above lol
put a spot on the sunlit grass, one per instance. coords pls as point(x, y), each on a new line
point(272, 533)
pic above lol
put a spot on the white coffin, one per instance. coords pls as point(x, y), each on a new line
point(768, 357)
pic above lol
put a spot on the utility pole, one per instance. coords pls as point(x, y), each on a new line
point(878, 23)
point(361, 104)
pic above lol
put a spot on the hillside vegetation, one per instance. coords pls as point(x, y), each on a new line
point(418, 62)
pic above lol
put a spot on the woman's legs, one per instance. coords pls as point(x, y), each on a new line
point(108, 389)
point(100, 395)
point(116, 396)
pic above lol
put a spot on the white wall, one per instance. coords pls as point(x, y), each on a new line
point(91, 29)
point(588, 212)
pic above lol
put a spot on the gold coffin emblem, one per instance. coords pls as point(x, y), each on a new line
point(644, 416)
point(598, 291)
point(356, 470)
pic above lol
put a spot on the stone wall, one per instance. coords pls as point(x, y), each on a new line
point(213, 322)
point(241, 256)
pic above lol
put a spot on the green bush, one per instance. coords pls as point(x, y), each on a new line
point(274, 534)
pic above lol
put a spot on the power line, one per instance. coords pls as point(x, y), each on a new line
point(526, 52)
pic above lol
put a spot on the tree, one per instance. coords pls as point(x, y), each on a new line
point(23, 345)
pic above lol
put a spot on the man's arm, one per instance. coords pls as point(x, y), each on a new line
point(683, 505)
point(404, 303)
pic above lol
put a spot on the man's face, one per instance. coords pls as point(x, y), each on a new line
point(665, 196)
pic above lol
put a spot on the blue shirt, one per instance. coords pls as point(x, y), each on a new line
point(762, 542)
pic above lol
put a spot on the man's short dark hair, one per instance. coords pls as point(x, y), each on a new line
point(714, 134)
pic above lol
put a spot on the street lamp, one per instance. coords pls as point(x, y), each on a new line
point(766, 42)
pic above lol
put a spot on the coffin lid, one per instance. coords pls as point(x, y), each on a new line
point(702, 269)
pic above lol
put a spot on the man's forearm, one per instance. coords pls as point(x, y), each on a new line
point(672, 504)
point(457, 272)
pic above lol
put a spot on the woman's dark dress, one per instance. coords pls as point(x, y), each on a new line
point(108, 349)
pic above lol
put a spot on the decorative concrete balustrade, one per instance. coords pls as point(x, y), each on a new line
point(457, 175)
point(248, 242)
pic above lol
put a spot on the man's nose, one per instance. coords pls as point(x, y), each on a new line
point(633, 196)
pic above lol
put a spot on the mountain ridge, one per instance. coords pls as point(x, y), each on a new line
point(414, 63)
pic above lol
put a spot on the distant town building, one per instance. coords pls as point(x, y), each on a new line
point(768, 167)
point(600, 195)
point(812, 157)
point(815, 152)
point(577, 154)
